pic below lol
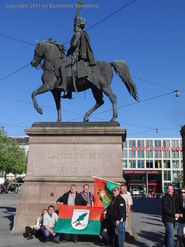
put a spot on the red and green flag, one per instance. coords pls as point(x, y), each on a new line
point(79, 220)
point(103, 192)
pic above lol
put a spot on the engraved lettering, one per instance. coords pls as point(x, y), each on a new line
point(75, 156)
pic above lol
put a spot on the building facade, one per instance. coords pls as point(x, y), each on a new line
point(149, 164)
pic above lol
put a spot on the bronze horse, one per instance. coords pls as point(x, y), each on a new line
point(53, 54)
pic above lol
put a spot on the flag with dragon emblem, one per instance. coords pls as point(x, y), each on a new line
point(79, 220)
point(103, 192)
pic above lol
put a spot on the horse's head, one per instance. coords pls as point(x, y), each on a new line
point(50, 50)
point(38, 55)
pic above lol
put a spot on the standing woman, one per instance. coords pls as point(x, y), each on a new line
point(180, 208)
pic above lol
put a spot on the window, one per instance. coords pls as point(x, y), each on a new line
point(149, 164)
point(132, 164)
point(140, 164)
point(125, 144)
point(149, 143)
point(140, 143)
point(175, 164)
point(175, 175)
point(158, 164)
point(124, 153)
point(140, 154)
point(132, 154)
point(166, 164)
point(181, 155)
point(175, 143)
point(158, 154)
point(166, 154)
point(175, 154)
point(132, 143)
point(124, 164)
point(166, 143)
point(157, 143)
point(149, 154)
point(167, 176)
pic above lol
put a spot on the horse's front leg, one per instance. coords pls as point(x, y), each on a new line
point(39, 109)
point(44, 88)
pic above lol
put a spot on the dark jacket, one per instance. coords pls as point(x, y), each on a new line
point(105, 224)
point(179, 208)
point(118, 209)
point(168, 208)
point(78, 199)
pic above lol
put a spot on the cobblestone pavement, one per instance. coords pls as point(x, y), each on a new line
point(145, 216)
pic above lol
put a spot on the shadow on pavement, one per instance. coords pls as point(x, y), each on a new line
point(9, 214)
point(142, 205)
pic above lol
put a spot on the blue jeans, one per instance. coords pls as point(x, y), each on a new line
point(47, 234)
point(120, 234)
point(105, 237)
point(169, 234)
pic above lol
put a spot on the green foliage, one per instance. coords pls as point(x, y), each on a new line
point(181, 178)
point(81, 217)
point(12, 157)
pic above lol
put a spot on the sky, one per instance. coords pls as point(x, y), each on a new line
point(148, 35)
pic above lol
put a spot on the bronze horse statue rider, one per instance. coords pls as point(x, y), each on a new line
point(97, 77)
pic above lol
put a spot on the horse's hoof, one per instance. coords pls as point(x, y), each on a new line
point(58, 120)
point(40, 110)
point(86, 119)
point(112, 120)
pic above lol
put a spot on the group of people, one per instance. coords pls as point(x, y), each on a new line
point(115, 216)
point(173, 210)
point(112, 223)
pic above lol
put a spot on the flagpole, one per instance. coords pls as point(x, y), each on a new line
point(105, 179)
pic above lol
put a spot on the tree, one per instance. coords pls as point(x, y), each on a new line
point(12, 157)
point(180, 178)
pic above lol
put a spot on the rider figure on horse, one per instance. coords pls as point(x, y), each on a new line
point(80, 50)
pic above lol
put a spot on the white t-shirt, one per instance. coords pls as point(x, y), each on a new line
point(50, 220)
point(128, 198)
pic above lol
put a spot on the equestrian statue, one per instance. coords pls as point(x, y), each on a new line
point(78, 71)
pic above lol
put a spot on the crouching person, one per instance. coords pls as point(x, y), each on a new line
point(105, 228)
point(49, 222)
point(35, 230)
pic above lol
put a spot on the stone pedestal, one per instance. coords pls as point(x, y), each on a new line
point(64, 153)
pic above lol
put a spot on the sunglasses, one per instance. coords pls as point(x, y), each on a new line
point(183, 192)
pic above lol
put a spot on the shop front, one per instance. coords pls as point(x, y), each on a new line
point(144, 181)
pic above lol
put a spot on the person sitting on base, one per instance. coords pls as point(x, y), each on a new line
point(49, 222)
point(35, 230)
point(105, 228)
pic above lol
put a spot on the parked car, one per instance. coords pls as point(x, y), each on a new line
point(135, 192)
point(3, 189)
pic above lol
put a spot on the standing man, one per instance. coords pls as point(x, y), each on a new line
point(72, 197)
point(169, 215)
point(49, 222)
point(118, 218)
point(129, 202)
point(88, 196)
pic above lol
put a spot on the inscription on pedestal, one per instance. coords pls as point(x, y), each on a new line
point(71, 161)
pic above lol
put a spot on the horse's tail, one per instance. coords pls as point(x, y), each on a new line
point(122, 69)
